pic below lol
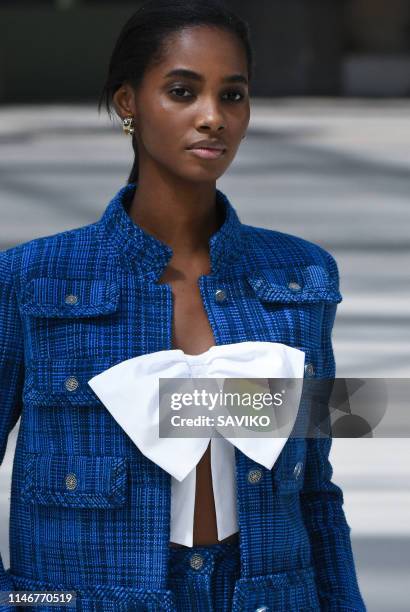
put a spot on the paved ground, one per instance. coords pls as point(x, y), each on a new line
point(334, 172)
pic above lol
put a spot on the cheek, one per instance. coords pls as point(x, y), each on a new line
point(161, 121)
point(161, 137)
point(154, 133)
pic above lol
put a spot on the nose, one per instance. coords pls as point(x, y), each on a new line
point(210, 115)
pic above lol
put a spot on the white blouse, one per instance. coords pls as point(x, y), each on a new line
point(130, 391)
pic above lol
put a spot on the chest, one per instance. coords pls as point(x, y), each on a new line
point(191, 329)
point(75, 327)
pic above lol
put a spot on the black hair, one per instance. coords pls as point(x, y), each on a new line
point(142, 42)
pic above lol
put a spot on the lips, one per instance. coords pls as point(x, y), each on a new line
point(215, 145)
point(208, 149)
point(207, 153)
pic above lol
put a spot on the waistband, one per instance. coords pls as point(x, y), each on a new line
point(184, 553)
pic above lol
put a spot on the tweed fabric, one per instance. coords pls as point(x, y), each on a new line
point(75, 303)
point(208, 587)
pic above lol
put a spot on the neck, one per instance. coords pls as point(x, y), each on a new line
point(183, 216)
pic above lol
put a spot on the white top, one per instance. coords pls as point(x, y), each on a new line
point(130, 391)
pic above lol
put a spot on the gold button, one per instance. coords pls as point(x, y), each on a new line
point(196, 561)
point(71, 384)
point(254, 476)
point(294, 286)
point(71, 481)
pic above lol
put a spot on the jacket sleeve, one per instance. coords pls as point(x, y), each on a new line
point(322, 504)
point(11, 370)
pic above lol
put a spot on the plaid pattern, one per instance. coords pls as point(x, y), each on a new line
point(88, 511)
point(203, 577)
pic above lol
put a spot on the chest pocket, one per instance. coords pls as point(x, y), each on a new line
point(75, 481)
point(61, 383)
point(69, 317)
point(291, 303)
point(74, 502)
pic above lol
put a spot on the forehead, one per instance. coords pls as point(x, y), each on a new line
point(206, 49)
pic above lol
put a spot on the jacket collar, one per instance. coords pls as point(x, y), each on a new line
point(142, 250)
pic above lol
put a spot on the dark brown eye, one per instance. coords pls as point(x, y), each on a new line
point(180, 89)
point(235, 93)
point(179, 93)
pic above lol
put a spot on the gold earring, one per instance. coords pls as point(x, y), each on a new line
point(128, 125)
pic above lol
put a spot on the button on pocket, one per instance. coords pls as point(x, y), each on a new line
point(68, 316)
point(63, 382)
point(75, 481)
point(289, 303)
point(71, 481)
point(290, 591)
point(71, 383)
point(74, 503)
point(303, 284)
point(220, 295)
point(294, 286)
point(69, 297)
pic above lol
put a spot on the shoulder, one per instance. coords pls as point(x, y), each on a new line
point(66, 252)
point(272, 248)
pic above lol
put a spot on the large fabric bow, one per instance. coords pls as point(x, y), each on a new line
point(130, 391)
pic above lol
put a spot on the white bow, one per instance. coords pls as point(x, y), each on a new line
point(129, 390)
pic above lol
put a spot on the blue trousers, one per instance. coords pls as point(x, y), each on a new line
point(203, 577)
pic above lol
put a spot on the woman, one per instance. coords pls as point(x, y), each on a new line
point(168, 274)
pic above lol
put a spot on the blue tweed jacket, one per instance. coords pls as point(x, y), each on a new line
point(77, 302)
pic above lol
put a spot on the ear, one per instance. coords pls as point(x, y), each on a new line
point(124, 101)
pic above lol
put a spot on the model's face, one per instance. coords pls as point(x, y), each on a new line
point(174, 111)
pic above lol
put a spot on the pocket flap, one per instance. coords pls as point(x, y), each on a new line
point(65, 297)
point(80, 481)
point(294, 284)
point(62, 382)
point(292, 590)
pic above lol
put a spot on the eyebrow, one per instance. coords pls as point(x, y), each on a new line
point(190, 74)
